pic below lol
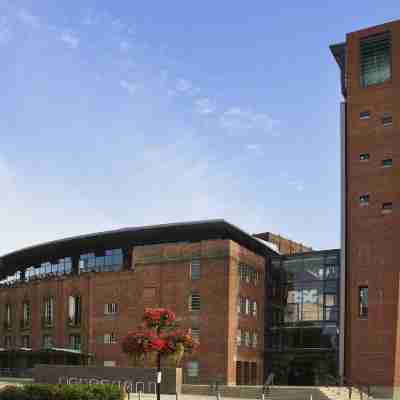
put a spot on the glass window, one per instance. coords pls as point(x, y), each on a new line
point(364, 156)
point(110, 308)
point(239, 337)
point(48, 310)
point(254, 309)
point(376, 59)
point(110, 338)
point(387, 120)
point(75, 342)
point(247, 306)
point(27, 312)
point(363, 301)
point(196, 334)
point(193, 369)
point(365, 115)
point(195, 267)
point(364, 200)
point(387, 163)
point(387, 207)
point(194, 302)
point(255, 339)
point(247, 338)
point(74, 310)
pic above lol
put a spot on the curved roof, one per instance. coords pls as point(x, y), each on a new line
point(129, 237)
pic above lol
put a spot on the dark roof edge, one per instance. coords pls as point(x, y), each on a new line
point(138, 229)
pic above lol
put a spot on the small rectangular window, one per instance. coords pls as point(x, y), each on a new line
point(387, 120)
point(110, 338)
point(387, 208)
point(194, 302)
point(365, 115)
point(375, 59)
point(364, 156)
point(196, 334)
point(239, 337)
point(193, 369)
point(387, 163)
point(363, 301)
point(364, 200)
point(26, 341)
point(195, 268)
point(110, 308)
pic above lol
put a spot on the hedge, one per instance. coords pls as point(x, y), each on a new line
point(62, 392)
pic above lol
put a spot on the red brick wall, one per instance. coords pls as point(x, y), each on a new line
point(371, 344)
point(163, 271)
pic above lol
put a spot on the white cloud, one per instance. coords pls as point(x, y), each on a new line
point(205, 106)
point(70, 39)
point(239, 119)
point(129, 86)
point(28, 18)
point(183, 85)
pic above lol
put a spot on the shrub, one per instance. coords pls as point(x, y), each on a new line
point(62, 392)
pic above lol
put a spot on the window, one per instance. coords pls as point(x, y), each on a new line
point(364, 200)
point(387, 163)
point(75, 342)
point(375, 59)
point(363, 301)
point(74, 310)
point(387, 208)
point(254, 308)
point(247, 338)
point(239, 337)
point(110, 308)
point(255, 339)
point(110, 260)
point(26, 341)
point(193, 369)
point(109, 364)
point(8, 316)
point(195, 269)
point(239, 305)
point(47, 341)
point(365, 115)
point(194, 302)
point(364, 156)
point(110, 338)
point(48, 311)
point(247, 306)
point(387, 120)
point(27, 313)
point(196, 334)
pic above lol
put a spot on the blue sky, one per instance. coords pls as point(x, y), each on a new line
point(125, 113)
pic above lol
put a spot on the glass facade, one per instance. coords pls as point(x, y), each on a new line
point(302, 318)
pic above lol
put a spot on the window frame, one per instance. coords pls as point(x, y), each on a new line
point(362, 309)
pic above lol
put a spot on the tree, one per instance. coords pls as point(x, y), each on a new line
point(159, 335)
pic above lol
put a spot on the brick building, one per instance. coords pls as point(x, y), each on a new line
point(369, 60)
point(79, 296)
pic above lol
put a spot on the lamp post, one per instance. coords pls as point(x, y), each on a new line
point(158, 386)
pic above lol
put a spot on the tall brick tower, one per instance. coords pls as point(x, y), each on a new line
point(369, 60)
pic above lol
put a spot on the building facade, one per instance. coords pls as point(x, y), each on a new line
point(80, 296)
point(302, 318)
point(369, 60)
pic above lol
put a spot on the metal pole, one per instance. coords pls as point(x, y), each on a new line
point(158, 368)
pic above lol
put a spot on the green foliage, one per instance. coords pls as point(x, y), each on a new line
point(62, 392)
